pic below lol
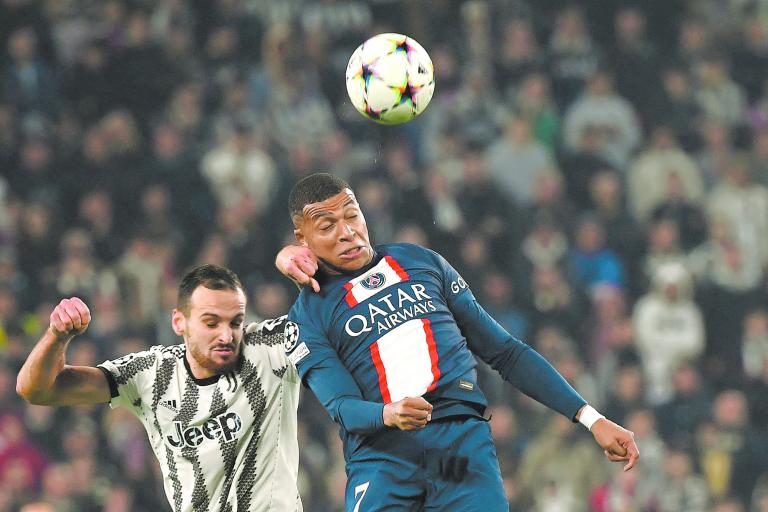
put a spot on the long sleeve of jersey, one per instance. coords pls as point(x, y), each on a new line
point(334, 386)
point(517, 362)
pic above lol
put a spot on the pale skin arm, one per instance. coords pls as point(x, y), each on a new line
point(617, 442)
point(298, 264)
point(46, 379)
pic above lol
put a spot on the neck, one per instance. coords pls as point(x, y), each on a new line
point(195, 369)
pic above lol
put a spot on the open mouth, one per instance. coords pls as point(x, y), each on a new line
point(352, 253)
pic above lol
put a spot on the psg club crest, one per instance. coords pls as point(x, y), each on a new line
point(373, 281)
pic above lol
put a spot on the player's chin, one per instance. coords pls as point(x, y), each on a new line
point(223, 358)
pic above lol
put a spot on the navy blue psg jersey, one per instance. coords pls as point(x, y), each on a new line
point(399, 327)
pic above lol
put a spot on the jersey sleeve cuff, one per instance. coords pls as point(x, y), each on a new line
point(113, 392)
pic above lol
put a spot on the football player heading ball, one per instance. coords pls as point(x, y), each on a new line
point(388, 348)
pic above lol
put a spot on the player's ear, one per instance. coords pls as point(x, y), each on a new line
point(179, 322)
point(300, 237)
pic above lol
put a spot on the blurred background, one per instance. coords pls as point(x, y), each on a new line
point(596, 170)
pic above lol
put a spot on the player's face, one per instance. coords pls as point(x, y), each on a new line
point(212, 330)
point(335, 230)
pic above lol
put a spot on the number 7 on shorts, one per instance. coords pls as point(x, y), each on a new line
point(361, 490)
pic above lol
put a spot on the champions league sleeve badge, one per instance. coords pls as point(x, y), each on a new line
point(291, 333)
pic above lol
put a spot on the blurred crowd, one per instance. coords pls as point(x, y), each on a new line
point(596, 170)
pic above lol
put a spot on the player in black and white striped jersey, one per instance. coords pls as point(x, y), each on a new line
point(219, 408)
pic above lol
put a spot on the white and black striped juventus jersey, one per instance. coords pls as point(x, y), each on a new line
point(227, 443)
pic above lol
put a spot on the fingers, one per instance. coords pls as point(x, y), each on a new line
point(633, 455)
point(617, 442)
point(418, 402)
point(625, 450)
point(613, 458)
point(82, 308)
point(58, 324)
point(301, 272)
point(414, 418)
point(306, 264)
point(71, 316)
point(410, 413)
point(71, 311)
point(299, 265)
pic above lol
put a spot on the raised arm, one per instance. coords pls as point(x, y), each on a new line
point(46, 379)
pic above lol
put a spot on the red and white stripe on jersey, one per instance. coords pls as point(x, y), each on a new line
point(383, 275)
point(406, 361)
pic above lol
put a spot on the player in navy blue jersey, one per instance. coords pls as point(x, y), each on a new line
point(386, 342)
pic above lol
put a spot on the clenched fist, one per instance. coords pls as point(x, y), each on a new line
point(410, 413)
point(70, 318)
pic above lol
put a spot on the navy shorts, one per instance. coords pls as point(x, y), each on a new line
point(450, 464)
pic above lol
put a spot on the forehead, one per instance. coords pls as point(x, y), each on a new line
point(219, 302)
point(333, 204)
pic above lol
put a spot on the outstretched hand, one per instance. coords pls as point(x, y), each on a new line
point(617, 442)
point(298, 264)
point(70, 318)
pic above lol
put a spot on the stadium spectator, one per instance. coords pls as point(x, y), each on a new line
point(669, 328)
point(612, 117)
point(573, 55)
point(591, 262)
point(743, 205)
point(678, 418)
point(607, 200)
point(649, 174)
point(517, 159)
point(682, 488)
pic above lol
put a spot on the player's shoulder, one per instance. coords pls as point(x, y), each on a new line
point(401, 248)
point(169, 351)
point(152, 354)
point(269, 332)
point(406, 251)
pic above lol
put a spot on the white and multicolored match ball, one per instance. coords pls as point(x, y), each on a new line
point(390, 78)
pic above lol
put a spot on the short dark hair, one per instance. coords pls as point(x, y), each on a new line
point(213, 277)
point(312, 189)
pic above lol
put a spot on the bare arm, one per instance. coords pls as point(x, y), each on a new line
point(46, 379)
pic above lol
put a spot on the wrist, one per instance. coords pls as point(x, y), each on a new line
point(387, 415)
point(59, 337)
point(588, 416)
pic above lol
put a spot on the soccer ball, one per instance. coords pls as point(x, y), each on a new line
point(390, 79)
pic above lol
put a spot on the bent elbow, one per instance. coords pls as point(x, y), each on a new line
point(30, 395)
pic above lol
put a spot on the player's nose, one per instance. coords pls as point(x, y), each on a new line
point(348, 232)
point(227, 335)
